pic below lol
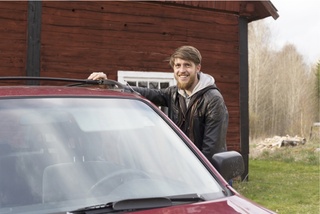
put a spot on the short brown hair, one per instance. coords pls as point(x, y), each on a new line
point(188, 53)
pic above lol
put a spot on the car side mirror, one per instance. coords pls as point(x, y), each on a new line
point(229, 164)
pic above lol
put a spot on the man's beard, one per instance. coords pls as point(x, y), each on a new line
point(186, 85)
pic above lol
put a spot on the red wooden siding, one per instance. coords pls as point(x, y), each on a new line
point(13, 35)
point(230, 6)
point(81, 37)
point(252, 10)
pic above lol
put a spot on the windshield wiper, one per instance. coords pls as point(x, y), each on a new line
point(138, 204)
point(125, 205)
point(186, 198)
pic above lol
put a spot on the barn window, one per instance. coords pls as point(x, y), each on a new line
point(155, 80)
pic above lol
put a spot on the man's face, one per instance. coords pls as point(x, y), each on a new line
point(185, 73)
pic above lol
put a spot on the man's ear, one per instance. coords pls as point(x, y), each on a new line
point(198, 67)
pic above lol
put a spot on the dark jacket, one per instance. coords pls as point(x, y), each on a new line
point(204, 121)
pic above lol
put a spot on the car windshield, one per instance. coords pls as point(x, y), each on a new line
point(59, 154)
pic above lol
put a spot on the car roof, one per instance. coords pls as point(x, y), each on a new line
point(79, 87)
point(19, 91)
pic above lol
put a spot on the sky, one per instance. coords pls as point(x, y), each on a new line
point(298, 24)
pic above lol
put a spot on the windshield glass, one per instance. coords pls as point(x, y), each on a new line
point(59, 154)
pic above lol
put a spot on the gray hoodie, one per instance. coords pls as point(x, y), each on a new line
point(204, 81)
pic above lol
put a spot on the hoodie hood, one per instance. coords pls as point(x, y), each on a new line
point(205, 80)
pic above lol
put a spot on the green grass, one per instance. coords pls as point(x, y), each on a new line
point(286, 181)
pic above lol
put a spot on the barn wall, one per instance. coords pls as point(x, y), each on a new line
point(13, 35)
point(112, 36)
point(81, 37)
point(227, 6)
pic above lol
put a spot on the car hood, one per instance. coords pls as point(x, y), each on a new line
point(230, 205)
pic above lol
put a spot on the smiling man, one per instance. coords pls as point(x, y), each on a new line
point(195, 104)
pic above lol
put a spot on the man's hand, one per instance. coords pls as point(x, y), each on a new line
point(97, 76)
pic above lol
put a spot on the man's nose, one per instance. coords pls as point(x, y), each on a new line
point(183, 68)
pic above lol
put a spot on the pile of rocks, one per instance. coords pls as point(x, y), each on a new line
point(257, 147)
point(281, 141)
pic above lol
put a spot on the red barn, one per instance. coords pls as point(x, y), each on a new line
point(131, 40)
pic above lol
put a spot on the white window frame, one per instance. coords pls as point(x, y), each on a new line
point(146, 76)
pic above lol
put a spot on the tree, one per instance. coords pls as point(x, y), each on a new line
point(298, 94)
point(281, 87)
point(259, 38)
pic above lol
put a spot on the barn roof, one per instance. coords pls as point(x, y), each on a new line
point(252, 10)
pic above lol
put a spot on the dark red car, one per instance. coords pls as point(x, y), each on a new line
point(84, 148)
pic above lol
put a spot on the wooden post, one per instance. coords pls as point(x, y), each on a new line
point(34, 40)
point(244, 94)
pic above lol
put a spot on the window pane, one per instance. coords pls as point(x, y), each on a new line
point(132, 83)
point(164, 84)
point(143, 84)
point(153, 85)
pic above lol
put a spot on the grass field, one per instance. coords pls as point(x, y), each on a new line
point(285, 180)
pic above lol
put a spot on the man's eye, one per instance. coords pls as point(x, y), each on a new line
point(177, 65)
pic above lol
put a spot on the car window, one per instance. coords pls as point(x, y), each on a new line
point(84, 151)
